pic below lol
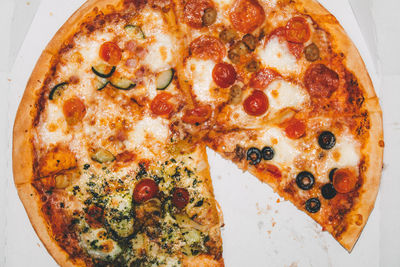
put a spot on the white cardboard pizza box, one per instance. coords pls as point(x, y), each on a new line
point(260, 230)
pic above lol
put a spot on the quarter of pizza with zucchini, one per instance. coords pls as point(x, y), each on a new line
point(109, 141)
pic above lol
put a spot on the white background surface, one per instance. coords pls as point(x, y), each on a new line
point(283, 235)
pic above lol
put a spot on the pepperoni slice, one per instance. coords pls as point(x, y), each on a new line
point(94, 216)
point(296, 49)
point(74, 110)
point(262, 78)
point(197, 115)
point(110, 52)
point(295, 128)
point(270, 169)
point(208, 47)
point(320, 81)
point(344, 181)
point(160, 104)
point(125, 157)
point(297, 30)
point(247, 15)
point(256, 104)
point(194, 10)
point(224, 75)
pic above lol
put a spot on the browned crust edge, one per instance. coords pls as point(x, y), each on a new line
point(23, 157)
point(373, 150)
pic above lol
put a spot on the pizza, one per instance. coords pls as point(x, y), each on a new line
point(109, 147)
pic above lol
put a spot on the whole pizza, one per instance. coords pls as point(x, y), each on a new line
point(109, 141)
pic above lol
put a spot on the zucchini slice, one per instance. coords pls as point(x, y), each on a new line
point(102, 155)
point(103, 71)
point(122, 83)
point(56, 90)
point(164, 79)
point(102, 84)
point(135, 31)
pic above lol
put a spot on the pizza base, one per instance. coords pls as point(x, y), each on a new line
point(374, 147)
point(23, 160)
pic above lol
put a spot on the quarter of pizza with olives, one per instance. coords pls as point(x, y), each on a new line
point(109, 141)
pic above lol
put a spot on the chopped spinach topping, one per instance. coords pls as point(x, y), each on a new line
point(199, 203)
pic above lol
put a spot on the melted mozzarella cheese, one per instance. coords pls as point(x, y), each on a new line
point(346, 152)
point(285, 148)
point(200, 72)
point(159, 54)
point(148, 128)
point(276, 55)
point(98, 245)
point(52, 131)
point(282, 94)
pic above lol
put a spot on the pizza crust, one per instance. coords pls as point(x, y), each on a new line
point(370, 188)
point(374, 148)
point(31, 200)
point(23, 154)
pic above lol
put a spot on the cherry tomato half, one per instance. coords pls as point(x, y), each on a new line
point(160, 104)
point(110, 52)
point(224, 75)
point(197, 115)
point(180, 197)
point(74, 110)
point(297, 30)
point(344, 180)
point(295, 129)
point(144, 190)
point(256, 104)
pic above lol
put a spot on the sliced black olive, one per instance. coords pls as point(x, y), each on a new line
point(253, 66)
point(331, 173)
point(250, 41)
point(56, 90)
point(228, 35)
point(326, 140)
point(209, 16)
point(254, 156)
point(268, 153)
point(313, 205)
point(311, 52)
point(235, 95)
point(328, 191)
point(305, 180)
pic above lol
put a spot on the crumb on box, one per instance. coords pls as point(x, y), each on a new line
point(260, 225)
point(51, 13)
